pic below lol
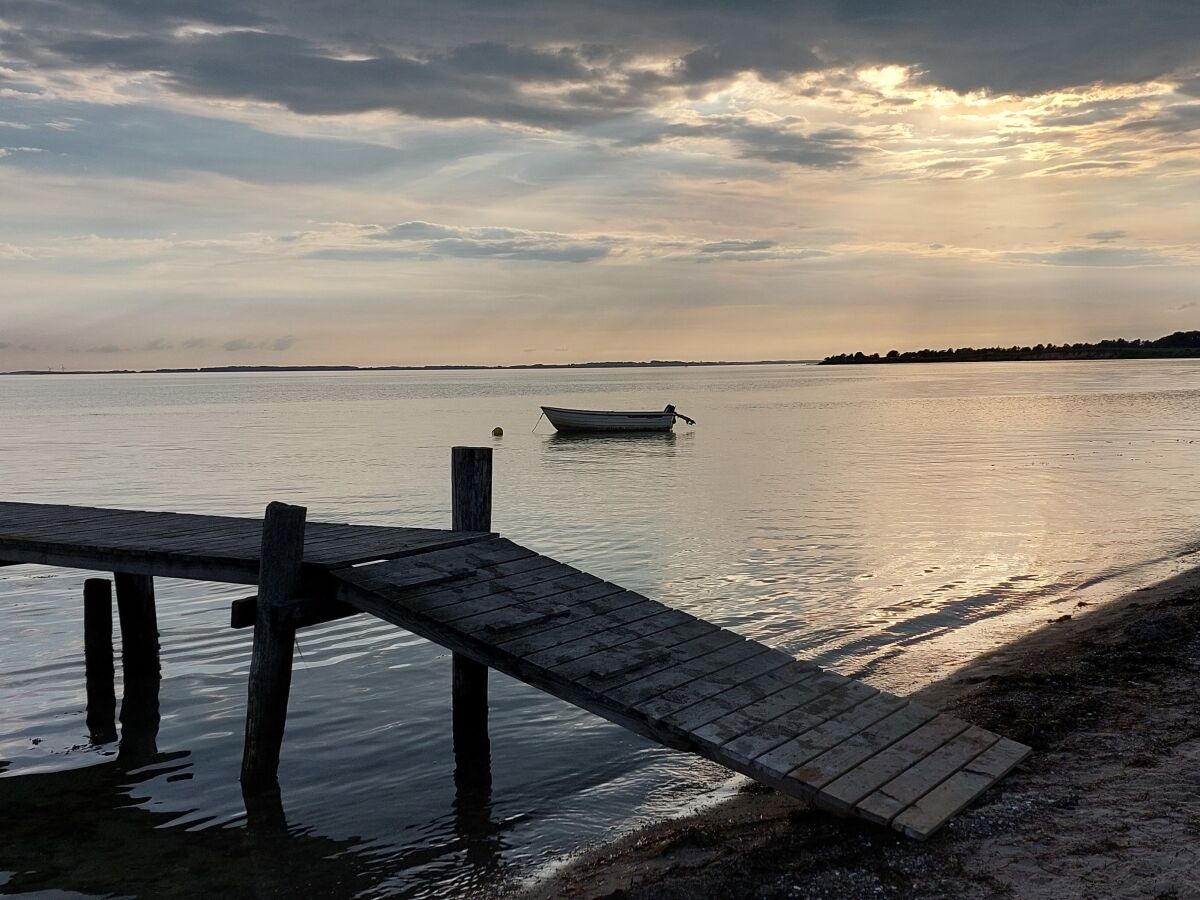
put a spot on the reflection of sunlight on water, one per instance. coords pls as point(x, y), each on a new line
point(893, 522)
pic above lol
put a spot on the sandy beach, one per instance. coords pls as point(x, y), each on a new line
point(1107, 806)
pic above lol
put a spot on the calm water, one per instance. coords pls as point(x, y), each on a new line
point(890, 522)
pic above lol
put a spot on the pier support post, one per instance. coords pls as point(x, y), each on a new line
point(98, 660)
point(140, 667)
point(274, 641)
point(471, 506)
point(139, 623)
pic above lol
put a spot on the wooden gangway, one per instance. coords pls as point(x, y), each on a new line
point(678, 680)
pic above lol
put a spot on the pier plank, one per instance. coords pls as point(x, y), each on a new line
point(823, 768)
point(717, 682)
point(573, 609)
point(470, 616)
point(814, 741)
point(847, 790)
point(769, 735)
point(752, 689)
point(917, 780)
point(734, 724)
point(657, 634)
point(684, 662)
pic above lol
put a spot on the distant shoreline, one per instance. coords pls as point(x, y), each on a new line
point(201, 370)
point(1180, 345)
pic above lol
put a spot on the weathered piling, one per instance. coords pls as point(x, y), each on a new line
point(139, 623)
point(274, 641)
point(471, 510)
point(140, 667)
point(98, 660)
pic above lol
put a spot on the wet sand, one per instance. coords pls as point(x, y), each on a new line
point(1107, 806)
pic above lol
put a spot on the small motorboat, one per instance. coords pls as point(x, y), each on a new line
point(611, 420)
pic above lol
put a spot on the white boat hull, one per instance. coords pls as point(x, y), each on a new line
point(601, 420)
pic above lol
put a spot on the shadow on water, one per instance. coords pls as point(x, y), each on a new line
point(81, 830)
point(78, 830)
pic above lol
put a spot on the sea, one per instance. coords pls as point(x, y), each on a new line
point(889, 522)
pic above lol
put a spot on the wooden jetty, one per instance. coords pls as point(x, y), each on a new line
point(676, 679)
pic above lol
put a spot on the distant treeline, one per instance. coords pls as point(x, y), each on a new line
point(1179, 344)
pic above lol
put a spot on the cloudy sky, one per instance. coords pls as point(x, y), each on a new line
point(208, 182)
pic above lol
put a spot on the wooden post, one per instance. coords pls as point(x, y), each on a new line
point(98, 660)
point(139, 623)
point(274, 641)
point(471, 510)
point(139, 667)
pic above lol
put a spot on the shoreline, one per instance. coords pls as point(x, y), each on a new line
point(1108, 804)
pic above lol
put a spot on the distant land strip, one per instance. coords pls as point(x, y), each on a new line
point(1180, 345)
point(646, 364)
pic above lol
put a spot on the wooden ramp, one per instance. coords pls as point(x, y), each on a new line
point(676, 679)
point(688, 684)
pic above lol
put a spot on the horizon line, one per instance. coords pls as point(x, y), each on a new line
point(439, 367)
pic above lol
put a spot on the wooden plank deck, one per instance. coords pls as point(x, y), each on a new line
point(661, 672)
point(181, 545)
point(688, 684)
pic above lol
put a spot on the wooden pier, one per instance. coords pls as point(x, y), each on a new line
point(678, 680)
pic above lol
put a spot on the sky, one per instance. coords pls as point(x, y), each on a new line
point(210, 182)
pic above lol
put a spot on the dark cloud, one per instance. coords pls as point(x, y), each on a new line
point(574, 64)
point(782, 141)
point(767, 254)
point(1091, 112)
point(477, 81)
point(429, 240)
point(520, 63)
point(772, 57)
point(736, 246)
point(240, 345)
point(1178, 119)
point(1105, 237)
point(1091, 256)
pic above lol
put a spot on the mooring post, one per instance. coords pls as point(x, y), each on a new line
point(274, 641)
point(471, 506)
point(98, 660)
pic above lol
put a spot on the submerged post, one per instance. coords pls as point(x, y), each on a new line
point(471, 506)
point(271, 657)
point(98, 660)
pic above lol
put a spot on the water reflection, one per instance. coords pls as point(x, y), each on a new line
point(474, 825)
point(78, 831)
point(615, 440)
